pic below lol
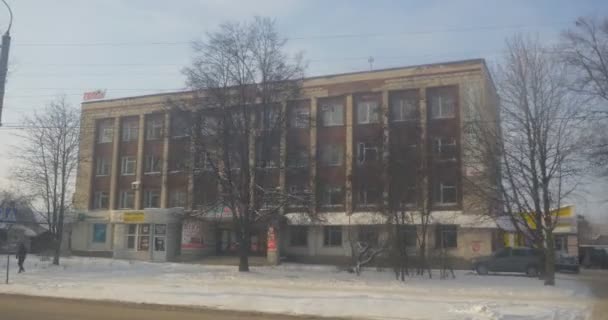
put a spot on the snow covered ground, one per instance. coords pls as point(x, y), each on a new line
point(304, 289)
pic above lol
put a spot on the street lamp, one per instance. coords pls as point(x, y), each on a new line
point(6, 44)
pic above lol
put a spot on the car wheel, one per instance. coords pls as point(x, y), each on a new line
point(482, 270)
point(531, 271)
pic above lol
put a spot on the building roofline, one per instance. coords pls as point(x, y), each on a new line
point(327, 76)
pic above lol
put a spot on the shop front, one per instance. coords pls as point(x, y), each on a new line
point(150, 234)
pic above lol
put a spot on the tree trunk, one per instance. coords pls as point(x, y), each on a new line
point(549, 260)
point(244, 251)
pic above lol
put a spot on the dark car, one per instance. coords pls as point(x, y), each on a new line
point(564, 262)
point(521, 260)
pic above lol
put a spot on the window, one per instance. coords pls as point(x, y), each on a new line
point(504, 253)
point(105, 132)
point(101, 200)
point(446, 236)
point(298, 236)
point(131, 236)
point(271, 119)
point(130, 131)
point(332, 236)
point(368, 112)
point(299, 195)
point(368, 196)
point(331, 155)
point(127, 166)
point(445, 194)
point(99, 232)
point(152, 164)
point(410, 198)
point(178, 163)
point(404, 109)
point(151, 199)
point(561, 243)
point(127, 200)
point(332, 196)
point(409, 236)
point(177, 199)
point(442, 106)
point(366, 153)
point(522, 252)
point(332, 115)
point(102, 167)
point(298, 158)
point(368, 235)
point(267, 156)
point(160, 232)
point(445, 149)
point(143, 237)
point(154, 128)
point(180, 126)
point(299, 117)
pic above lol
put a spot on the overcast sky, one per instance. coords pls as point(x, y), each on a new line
point(67, 47)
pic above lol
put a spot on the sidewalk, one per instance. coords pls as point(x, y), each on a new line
point(294, 289)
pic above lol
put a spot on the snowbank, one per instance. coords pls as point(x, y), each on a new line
point(301, 289)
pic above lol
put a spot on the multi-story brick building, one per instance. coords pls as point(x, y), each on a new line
point(132, 184)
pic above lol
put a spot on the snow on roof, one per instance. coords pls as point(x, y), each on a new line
point(374, 218)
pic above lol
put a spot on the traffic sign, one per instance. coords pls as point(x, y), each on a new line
point(8, 215)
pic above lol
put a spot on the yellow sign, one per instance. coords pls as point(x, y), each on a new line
point(564, 216)
point(133, 216)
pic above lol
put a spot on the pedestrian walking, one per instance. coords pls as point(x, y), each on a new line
point(21, 254)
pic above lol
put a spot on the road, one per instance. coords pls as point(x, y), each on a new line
point(16, 307)
point(598, 282)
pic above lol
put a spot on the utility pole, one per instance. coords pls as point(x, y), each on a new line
point(6, 44)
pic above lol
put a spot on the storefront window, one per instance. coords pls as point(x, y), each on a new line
point(139, 234)
point(160, 231)
point(143, 243)
point(99, 233)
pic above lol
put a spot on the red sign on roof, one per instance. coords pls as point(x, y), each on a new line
point(94, 95)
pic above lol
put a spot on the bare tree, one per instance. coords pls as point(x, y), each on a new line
point(244, 78)
point(585, 50)
point(536, 141)
point(46, 162)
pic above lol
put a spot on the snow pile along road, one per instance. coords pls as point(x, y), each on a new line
point(301, 289)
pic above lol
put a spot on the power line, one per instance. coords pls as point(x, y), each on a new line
point(311, 37)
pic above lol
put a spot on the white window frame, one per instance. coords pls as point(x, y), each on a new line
point(439, 106)
point(137, 236)
point(154, 128)
point(328, 192)
point(442, 144)
point(182, 125)
point(329, 116)
point(362, 150)
point(130, 131)
point(149, 161)
point(402, 105)
point(327, 231)
point(334, 153)
point(362, 198)
point(126, 163)
point(102, 167)
point(442, 187)
point(123, 199)
point(149, 196)
point(106, 133)
point(178, 198)
point(370, 110)
point(300, 117)
point(160, 235)
point(98, 200)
